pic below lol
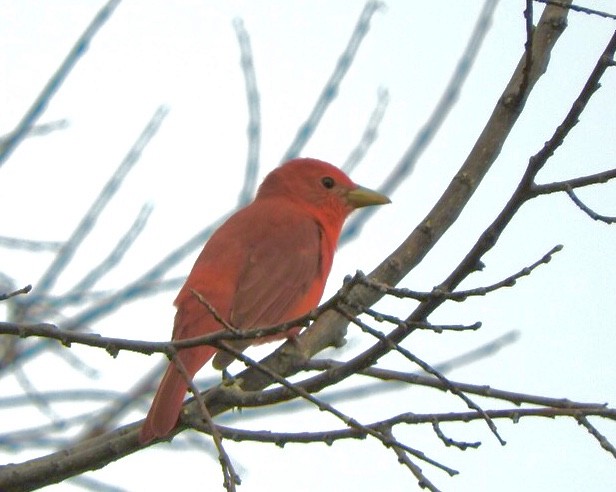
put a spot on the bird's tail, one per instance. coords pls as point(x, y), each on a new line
point(165, 409)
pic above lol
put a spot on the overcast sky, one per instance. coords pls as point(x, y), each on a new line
point(185, 56)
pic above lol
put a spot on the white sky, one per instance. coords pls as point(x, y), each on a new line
point(185, 55)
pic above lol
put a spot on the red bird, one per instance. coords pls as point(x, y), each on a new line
point(267, 264)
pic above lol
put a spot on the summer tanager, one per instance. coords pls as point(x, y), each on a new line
point(265, 265)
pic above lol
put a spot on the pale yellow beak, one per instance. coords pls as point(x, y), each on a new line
point(365, 197)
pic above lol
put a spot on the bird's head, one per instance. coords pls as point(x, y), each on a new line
point(319, 188)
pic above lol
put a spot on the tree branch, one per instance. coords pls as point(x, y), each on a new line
point(10, 142)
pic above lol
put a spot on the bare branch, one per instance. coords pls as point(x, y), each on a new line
point(115, 256)
point(579, 182)
point(332, 435)
point(18, 292)
point(37, 399)
point(587, 210)
point(29, 244)
point(422, 480)
point(450, 442)
point(115, 345)
point(601, 439)
point(40, 130)
point(425, 366)
point(11, 141)
point(573, 116)
point(254, 114)
point(101, 450)
point(380, 317)
point(222, 322)
point(117, 404)
point(526, 188)
point(351, 300)
point(485, 151)
point(330, 90)
point(427, 132)
point(528, 47)
point(230, 476)
point(460, 295)
point(370, 133)
point(578, 8)
point(277, 395)
point(188, 418)
point(88, 221)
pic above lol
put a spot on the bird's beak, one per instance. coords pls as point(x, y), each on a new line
point(364, 197)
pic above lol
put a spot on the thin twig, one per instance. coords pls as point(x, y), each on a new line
point(114, 257)
point(579, 182)
point(450, 442)
point(380, 317)
point(425, 366)
point(326, 407)
point(403, 458)
point(601, 439)
point(40, 130)
point(18, 292)
point(29, 244)
point(254, 113)
point(332, 86)
point(587, 210)
point(278, 395)
point(118, 404)
point(578, 8)
point(528, 47)
point(331, 326)
point(428, 131)
point(526, 188)
point(10, 142)
point(219, 319)
point(231, 478)
point(89, 219)
point(460, 295)
point(331, 435)
point(370, 133)
point(483, 351)
point(114, 345)
point(37, 399)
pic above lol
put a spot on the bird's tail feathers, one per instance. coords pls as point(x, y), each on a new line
point(165, 410)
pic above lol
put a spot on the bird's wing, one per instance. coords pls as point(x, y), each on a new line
point(265, 265)
point(282, 276)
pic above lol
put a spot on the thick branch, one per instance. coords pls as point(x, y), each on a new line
point(331, 327)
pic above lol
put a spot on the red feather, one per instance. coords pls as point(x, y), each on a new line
point(267, 264)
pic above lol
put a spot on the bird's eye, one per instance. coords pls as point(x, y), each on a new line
point(328, 182)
